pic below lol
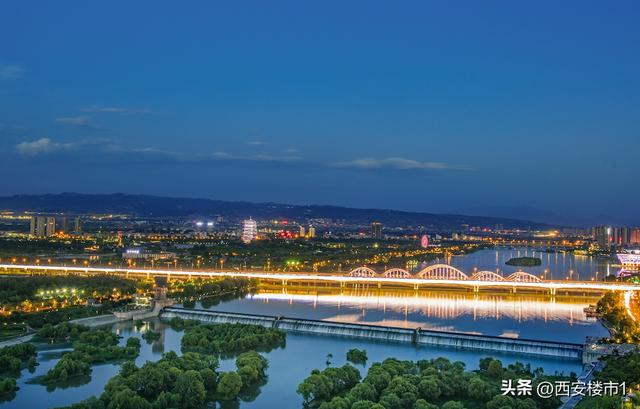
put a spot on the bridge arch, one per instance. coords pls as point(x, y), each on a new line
point(523, 277)
point(442, 272)
point(362, 272)
point(487, 276)
point(396, 273)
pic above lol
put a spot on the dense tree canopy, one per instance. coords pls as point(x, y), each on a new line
point(226, 338)
point(427, 384)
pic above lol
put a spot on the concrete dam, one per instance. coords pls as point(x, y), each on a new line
point(417, 336)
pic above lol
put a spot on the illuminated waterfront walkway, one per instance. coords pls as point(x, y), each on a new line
point(439, 275)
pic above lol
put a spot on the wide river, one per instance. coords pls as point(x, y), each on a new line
point(520, 315)
point(559, 266)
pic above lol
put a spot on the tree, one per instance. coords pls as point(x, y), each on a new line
point(364, 392)
point(429, 388)
point(229, 386)
point(316, 387)
point(452, 404)
point(357, 356)
point(166, 400)
point(209, 379)
point(391, 401)
point(363, 404)
point(378, 377)
point(501, 402)
point(190, 388)
point(128, 399)
point(7, 386)
point(423, 404)
point(495, 369)
point(479, 390)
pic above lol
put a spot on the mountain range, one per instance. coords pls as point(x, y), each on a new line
point(156, 206)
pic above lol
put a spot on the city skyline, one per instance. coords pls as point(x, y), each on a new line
point(493, 109)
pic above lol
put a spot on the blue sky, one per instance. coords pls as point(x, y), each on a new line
point(426, 106)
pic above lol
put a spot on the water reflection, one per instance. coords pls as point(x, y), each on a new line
point(525, 315)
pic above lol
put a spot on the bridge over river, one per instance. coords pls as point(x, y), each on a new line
point(435, 276)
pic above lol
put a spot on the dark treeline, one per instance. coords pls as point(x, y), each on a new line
point(206, 287)
point(18, 289)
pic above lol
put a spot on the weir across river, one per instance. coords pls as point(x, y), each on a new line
point(417, 336)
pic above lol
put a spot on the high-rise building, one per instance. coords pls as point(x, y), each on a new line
point(50, 228)
point(376, 230)
point(603, 236)
point(77, 225)
point(610, 236)
point(312, 232)
point(42, 226)
point(249, 230)
point(63, 225)
point(302, 232)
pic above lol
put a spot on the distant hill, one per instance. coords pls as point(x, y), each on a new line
point(155, 206)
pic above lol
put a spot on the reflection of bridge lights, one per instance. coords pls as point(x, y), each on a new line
point(444, 305)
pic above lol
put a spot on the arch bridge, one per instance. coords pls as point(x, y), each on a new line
point(435, 275)
point(445, 272)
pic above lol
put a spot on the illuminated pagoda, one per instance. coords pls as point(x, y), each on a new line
point(249, 230)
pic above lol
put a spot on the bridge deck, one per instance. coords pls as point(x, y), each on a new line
point(284, 277)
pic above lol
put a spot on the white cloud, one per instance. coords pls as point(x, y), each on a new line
point(252, 158)
point(257, 143)
point(113, 109)
point(395, 164)
point(38, 147)
point(45, 146)
point(11, 71)
point(74, 120)
point(80, 121)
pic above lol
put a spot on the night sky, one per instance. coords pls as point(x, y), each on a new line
point(441, 106)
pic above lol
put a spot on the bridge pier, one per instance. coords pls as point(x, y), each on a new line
point(552, 291)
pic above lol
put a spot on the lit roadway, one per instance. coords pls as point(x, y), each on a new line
point(416, 283)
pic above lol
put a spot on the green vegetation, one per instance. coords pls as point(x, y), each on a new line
point(622, 327)
point(90, 347)
point(618, 369)
point(357, 356)
point(15, 357)
point(53, 317)
point(71, 365)
point(186, 382)
point(63, 332)
point(180, 324)
point(151, 336)
point(319, 254)
point(427, 384)
point(8, 331)
point(206, 287)
point(227, 338)
point(45, 299)
point(8, 387)
point(15, 290)
point(524, 261)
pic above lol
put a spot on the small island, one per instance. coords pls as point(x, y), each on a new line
point(524, 261)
